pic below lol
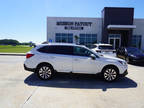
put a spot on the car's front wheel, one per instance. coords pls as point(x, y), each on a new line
point(45, 72)
point(110, 73)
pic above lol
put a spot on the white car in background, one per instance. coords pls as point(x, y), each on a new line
point(47, 59)
point(103, 48)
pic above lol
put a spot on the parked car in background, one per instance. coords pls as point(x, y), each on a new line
point(103, 48)
point(130, 54)
point(47, 59)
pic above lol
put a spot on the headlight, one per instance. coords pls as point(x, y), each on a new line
point(122, 62)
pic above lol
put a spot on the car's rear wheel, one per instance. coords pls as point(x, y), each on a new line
point(45, 72)
point(110, 73)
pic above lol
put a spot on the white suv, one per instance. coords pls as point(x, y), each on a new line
point(47, 59)
point(103, 48)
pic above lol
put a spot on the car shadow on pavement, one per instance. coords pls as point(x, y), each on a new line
point(80, 81)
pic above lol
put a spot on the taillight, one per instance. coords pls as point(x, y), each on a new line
point(29, 55)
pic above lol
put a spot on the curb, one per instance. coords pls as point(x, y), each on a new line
point(13, 54)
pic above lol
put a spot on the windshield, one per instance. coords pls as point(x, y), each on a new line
point(106, 47)
point(134, 50)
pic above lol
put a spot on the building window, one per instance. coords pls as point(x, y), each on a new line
point(88, 39)
point(136, 41)
point(114, 40)
point(64, 37)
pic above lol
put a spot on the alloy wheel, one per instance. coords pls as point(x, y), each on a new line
point(45, 72)
point(110, 74)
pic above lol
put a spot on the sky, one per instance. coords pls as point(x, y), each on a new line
point(25, 20)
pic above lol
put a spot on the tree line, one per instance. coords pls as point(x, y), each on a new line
point(13, 42)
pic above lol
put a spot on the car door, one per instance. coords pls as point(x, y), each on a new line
point(59, 56)
point(63, 58)
point(83, 63)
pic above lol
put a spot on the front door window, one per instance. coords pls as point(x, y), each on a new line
point(117, 43)
point(83, 63)
point(115, 40)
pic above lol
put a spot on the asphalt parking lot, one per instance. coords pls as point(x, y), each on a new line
point(22, 89)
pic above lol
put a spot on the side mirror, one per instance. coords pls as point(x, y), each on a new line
point(93, 56)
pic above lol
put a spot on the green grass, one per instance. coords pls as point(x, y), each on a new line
point(14, 49)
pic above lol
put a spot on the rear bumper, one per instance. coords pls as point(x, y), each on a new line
point(29, 69)
point(124, 74)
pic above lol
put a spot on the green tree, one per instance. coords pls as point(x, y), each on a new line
point(9, 42)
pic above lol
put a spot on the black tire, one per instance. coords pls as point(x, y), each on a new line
point(110, 73)
point(45, 71)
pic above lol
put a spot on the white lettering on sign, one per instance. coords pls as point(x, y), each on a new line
point(73, 25)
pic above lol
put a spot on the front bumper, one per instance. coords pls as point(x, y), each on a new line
point(124, 74)
point(29, 69)
point(137, 60)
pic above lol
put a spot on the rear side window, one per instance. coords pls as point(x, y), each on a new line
point(68, 50)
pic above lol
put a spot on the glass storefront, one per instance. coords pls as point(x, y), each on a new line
point(115, 40)
point(64, 37)
point(136, 41)
point(87, 39)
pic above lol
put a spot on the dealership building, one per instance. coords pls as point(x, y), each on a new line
point(117, 26)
